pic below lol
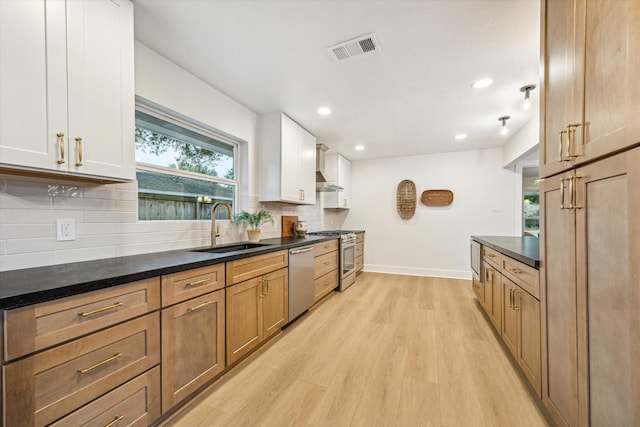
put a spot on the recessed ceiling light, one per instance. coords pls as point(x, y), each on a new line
point(324, 111)
point(461, 136)
point(359, 147)
point(482, 83)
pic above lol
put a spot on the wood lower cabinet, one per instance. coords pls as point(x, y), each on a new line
point(256, 309)
point(521, 330)
point(359, 252)
point(508, 292)
point(193, 346)
point(590, 293)
point(325, 269)
point(135, 403)
point(48, 385)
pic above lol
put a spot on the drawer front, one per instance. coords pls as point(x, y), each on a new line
point(492, 257)
point(528, 278)
point(39, 326)
point(136, 403)
point(324, 264)
point(49, 385)
point(325, 247)
point(248, 268)
point(359, 263)
point(324, 285)
point(178, 287)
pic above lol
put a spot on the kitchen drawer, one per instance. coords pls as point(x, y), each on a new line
point(492, 257)
point(39, 326)
point(359, 263)
point(324, 285)
point(528, 278)
point(46, 386)
point(325, 247)
point(178, 287)
point(324, 264)
point(247, 268)
point(136, 403)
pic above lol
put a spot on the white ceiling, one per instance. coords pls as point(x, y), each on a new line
point(411, 97)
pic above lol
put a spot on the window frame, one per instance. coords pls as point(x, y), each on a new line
point(148, 107)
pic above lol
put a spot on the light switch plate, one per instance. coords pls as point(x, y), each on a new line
point(65, 229)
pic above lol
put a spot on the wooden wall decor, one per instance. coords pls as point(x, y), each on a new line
point(437, 197)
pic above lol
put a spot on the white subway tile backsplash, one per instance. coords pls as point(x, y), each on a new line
point(107, 223)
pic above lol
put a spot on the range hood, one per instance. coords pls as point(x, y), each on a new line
point(322, 183)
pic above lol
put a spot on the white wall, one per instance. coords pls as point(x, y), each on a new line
point(106, 215)
point(435, 242)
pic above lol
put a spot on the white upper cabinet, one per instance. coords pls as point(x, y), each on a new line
point(287, 161)
point(338, 169)
point(67, 88)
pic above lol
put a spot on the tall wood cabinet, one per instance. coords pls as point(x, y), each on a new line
point(591, 56)
point(287, 154)
point(590, 233)
point(67, 88)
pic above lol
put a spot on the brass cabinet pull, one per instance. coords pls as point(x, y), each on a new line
point(61, 144)
point(516, 271)
point(100, 310)
point(510, 298)
point(571, 129)
point(198, 282)
point(515, 300)
point(562, 194)
point(491, 255)
point(266, 281)
point(198, 307)
point(114, 421)
point(97, 365)
point(574, 204)
point(79, 151)
point(560, 144)
point(261, 288)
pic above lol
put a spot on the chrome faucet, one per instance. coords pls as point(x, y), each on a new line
point(214, 229)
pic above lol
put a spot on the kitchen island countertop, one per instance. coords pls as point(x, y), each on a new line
point(522, 248)
point(23, 287)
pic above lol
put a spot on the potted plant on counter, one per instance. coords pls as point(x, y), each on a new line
point(255, 221)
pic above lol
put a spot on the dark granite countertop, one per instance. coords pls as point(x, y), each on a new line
point(32, 285)
point(524, 249)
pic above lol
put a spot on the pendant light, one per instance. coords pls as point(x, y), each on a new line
point(527, 94)
point(504, 129)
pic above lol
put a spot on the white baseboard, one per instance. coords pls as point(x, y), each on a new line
point(413, 271)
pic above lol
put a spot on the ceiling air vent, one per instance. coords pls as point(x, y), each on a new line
point(354, 47)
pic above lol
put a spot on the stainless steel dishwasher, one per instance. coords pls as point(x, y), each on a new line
point(300, 281)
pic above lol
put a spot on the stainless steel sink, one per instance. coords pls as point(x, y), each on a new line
point(232, 248)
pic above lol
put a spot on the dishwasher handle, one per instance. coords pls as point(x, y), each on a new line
point(301, 250)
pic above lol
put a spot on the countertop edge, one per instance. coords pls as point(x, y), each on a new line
point(525, 258)
point(60, 283)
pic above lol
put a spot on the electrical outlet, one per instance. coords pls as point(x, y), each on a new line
point(65, 229)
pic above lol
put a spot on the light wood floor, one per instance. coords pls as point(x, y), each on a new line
point(390, 351)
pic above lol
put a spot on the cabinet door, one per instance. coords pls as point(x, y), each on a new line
point(33, 83)
point(344, 170)
point(608, 250)
point(558, 300)
point(101, 92)
point(275, 301)
point(561, 91)
point(612, 63)
point(509, 330)
point(193, 346)
point(487, 297)
point(290, 189)
point(307, 167)
point(528, 355)
point(496, 296)
point(244, 318)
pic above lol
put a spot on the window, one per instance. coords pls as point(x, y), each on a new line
point(183, 168)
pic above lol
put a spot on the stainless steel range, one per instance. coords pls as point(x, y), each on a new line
point(347, 251)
